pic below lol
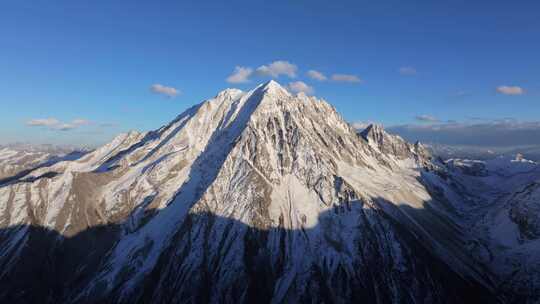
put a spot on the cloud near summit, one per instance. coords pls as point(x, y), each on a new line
point(243, 74)
point(277, 68)
point(240, 75)
point(300, 86)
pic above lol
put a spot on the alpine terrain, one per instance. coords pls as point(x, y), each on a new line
point(266, 196)
point(18, 158)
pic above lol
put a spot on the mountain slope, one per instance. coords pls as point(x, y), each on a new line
point(259, 195)
point(504, 215)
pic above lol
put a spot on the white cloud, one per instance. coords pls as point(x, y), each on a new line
point(316, 75)
point(42, 122)
point(510, 90)
point(240, 75)
point(346, 78)
point(55, 124)
point(64, 126)
point(426, 118)
point(80, 122)
point(300, 86)
point(164, 90)
point(277, 68)
point(407, 70)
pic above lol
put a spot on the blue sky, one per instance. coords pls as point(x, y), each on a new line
point(79, 72)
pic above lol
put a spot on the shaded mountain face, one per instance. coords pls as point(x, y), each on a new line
point(505, 197)
point(249, 196)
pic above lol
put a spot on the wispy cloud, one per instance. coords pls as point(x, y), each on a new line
point(346, 78)
point(42, 122)
point(313, 74)
point(460, 94)
point(300, 86)
point(277, 68)
point(426, 118)
point(55, 124)
point(80, 122)
point(510, 90)
point(240, 75)
point(407, 71)
point(164, 90)
point(64, 126)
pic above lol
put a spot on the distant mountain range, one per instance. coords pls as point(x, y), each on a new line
point(19, 157)
point(483, 153)
point(267, 196)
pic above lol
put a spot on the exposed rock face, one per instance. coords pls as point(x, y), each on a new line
point(249, 196)
point(389, 144)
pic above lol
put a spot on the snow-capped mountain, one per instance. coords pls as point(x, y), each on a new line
point(531, 152)
point(256, 196)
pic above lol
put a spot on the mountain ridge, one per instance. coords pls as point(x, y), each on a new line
point(263, 189)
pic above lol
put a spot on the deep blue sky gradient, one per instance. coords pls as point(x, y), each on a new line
point(97, 59)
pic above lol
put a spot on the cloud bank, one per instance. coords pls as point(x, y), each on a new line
point(300, 86)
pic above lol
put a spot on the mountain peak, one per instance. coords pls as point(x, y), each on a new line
point(392, 144)
point(273, 87)
point(271, 84)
